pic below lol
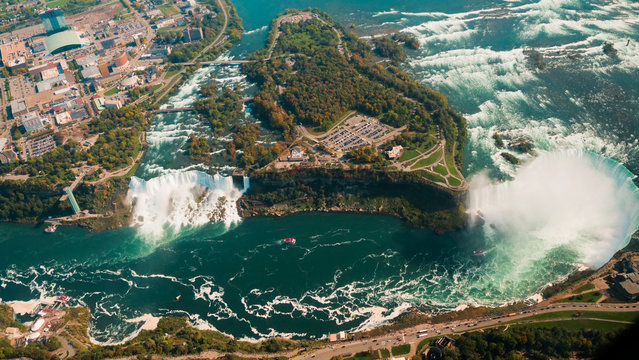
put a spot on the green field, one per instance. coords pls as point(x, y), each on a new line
point(168, 10)
point(605, 326)
point(385, 353)
point(429, 160)
point(589, 297)
point(361, 356)
point(409, 154)
point(454, 181)
point(57, 3)
point(400, 349)
point(450, 162)
point(604, 315)
point(441, 170)
point(111, 91)
point(431, 176)
point(172, 72)
point(588, 286)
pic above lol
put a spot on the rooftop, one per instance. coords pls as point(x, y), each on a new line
point(62, 41)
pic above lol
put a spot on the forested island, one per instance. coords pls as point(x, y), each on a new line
point(356, 135)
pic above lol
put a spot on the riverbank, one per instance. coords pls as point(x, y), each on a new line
point(400, 194)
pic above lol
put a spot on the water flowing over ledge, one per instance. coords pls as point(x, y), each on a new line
point(572, 199)
point(177, 200)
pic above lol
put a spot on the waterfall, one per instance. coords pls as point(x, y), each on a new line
point(177, 200)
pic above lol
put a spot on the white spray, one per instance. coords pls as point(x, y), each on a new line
point(575, 200)
point(183, 199)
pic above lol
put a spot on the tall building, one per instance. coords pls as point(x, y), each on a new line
point(54, 21)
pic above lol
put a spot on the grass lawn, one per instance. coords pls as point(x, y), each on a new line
point(111, 91)
point(431, 176)
point(400, 350)
point(441, 169)
point(588, 286)
point(429, 160)
point(364, 355)
point(385, 353)
point(408, 154)
point(454, 181)
point(605, 315)
point(589, 297)
point(172, 72)
point(605, 326)
point(427, 147)
point(168, 10)
point(155, 87)
point(450, 162)
point(57, 3)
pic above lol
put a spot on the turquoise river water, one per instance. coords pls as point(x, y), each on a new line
point(570, 207)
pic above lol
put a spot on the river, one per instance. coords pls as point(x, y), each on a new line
point(572, 206)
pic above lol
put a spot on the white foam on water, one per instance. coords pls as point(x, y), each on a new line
point(149, 321)
point(254, 31)
point(182, 199)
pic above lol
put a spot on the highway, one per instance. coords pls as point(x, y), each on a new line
point(457, 327)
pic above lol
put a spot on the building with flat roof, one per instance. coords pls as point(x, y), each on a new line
point(18, 107)
point(63, 118)
point(8, 156)
point(13, 54)
point(53, 21)
point(32, 123)
point(62, 41)
point(91, 72)
point(193, 34)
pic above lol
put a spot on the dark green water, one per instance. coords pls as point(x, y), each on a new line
point(568, 208)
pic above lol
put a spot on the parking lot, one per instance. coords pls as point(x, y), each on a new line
point(357, 131)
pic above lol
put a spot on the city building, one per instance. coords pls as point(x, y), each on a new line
point(49, 84)
point(112, 104)
point(63, 118)
point(53, 21)
point(98, 102)
point(18, 108)
point(340, 336)
point(91, 72)
point(59, 66)
point(187, 5)
point(121, 62)
point(192, 34)
point(157, 52)
point(32, 123)
point(14, 55)
point(8, 156)
point(130, 82)
point(395, 152)
point(104, 69)
point(162, 23)
point(626, 283)
point(85, 61)
point(62, 41)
